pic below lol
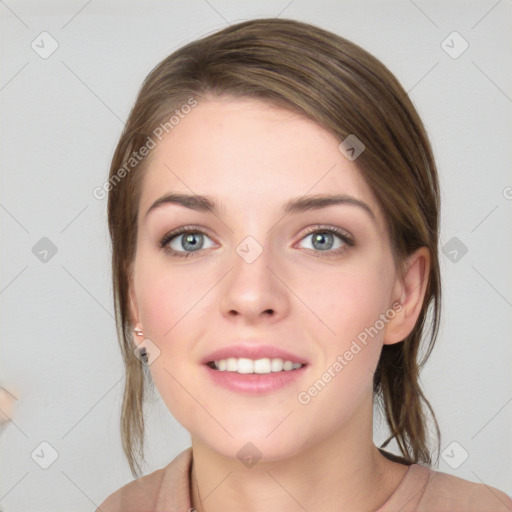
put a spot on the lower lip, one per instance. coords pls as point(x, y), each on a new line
point(254, 383)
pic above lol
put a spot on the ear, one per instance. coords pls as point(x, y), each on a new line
point(410, 288)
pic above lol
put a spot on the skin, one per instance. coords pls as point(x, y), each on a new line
point(251, 158)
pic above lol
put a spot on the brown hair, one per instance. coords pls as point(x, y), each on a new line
point(343, 88)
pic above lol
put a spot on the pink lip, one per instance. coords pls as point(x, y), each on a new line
point(252, 352)
point(253, 383)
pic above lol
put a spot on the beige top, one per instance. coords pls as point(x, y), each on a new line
point(421, 490)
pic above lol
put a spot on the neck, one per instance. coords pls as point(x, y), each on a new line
point(345, 472)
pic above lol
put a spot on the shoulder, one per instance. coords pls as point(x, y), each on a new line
point(140, 494)
point(162, 489)
point(448, 492)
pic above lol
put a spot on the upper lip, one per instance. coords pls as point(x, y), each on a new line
point(251, 351)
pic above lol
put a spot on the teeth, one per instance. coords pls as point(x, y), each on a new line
point(245, 366)
point(265, 365)
point(276, 365)
point(261, 366)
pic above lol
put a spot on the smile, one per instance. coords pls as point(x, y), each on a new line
point(260, 366)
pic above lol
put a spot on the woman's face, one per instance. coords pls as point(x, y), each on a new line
point(257, 281)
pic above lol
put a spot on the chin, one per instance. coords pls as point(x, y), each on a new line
point(252, 451)
point(256, 441)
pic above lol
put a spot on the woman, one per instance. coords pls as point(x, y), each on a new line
point(273, 209)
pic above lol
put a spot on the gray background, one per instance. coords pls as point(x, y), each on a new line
point(61, 118)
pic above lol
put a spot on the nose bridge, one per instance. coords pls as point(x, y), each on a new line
point(251, 287)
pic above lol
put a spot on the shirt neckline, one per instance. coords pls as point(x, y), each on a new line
point(409, 487)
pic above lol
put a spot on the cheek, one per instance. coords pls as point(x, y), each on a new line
point(169, 305)
point(173, 304)
point(351, 305)
point(351, 302)
point(168, 298)
point(162, 302)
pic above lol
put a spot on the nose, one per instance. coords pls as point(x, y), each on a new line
point(254, 291)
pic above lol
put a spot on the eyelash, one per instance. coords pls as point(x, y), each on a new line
point(343, 235)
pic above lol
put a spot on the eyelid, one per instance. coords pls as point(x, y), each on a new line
point(183, 229)
point(342, 233)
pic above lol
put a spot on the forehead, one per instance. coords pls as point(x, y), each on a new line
point(248, 153)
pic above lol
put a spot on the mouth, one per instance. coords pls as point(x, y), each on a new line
point(254, 377)
point(260, 366)
point(250, 367)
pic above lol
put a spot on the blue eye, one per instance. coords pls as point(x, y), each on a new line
point(329, 240)
point(184, 242)
point(187, 241)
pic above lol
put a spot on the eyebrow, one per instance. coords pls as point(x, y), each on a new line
point(295, 205)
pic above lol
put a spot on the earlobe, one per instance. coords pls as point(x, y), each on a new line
point(410, 292)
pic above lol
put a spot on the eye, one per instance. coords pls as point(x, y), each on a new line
point(329, 239)
point(185, 241)
point(188, 240)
